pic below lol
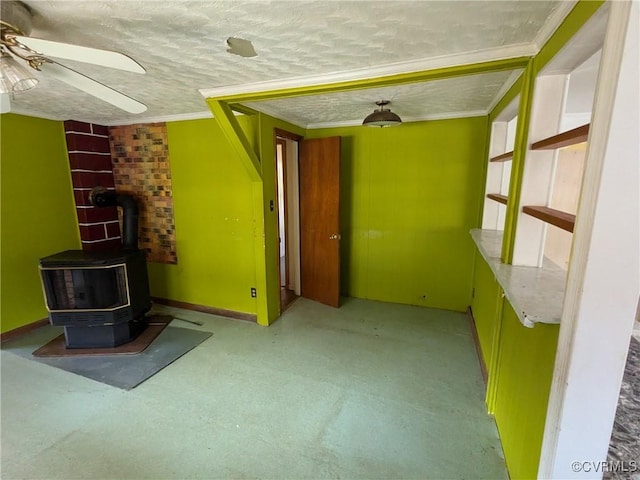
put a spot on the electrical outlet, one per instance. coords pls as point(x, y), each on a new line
point(254, 293)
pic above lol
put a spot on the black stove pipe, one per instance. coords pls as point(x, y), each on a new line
point(100, 197)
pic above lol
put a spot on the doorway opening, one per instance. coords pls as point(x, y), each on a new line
point(287, 194)
point(308, 215)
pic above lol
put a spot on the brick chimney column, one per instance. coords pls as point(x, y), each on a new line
point(90, 163)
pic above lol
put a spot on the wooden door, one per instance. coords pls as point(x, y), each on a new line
point(320, 220)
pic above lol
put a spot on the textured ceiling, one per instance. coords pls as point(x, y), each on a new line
point(464, 96)
point(182, 46)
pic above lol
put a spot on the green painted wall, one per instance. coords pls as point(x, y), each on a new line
point(484, 306)
point(38, 215)
point(214, 220)
point(409, 196)
point(520, 373)
point(524, 374)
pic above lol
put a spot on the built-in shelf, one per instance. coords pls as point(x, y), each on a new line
point(536, 294)
point(563, 220)
point(564, 139)
point(502, 157)
point(498, 198)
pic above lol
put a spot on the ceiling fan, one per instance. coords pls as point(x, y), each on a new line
point(15, 27)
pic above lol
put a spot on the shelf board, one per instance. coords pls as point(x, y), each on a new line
point(497, 197)
point(564, 139)
point(563, 220)
point(536, 294)
point(502, 157)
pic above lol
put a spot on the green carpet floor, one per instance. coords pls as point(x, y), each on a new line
point(370, 390)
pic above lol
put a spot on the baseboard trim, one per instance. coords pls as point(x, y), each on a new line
point(23, 330)
point(476, 342)
point(247, 317)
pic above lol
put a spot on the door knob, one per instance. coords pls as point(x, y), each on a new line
point(335, 236)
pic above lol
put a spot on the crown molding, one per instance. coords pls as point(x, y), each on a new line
point(447, 116)
point(32, 113)
point(466, 58)
point(125, 121)
point(263, 109)
point(160, 118)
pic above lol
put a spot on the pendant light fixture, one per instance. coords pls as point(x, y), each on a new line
point(383, 117)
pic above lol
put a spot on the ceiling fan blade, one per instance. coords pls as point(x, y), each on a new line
point(105, 58)
point(92, 87)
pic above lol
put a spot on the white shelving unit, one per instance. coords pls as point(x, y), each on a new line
point(503, 132)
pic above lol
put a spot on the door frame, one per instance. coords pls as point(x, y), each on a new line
point(279, 135)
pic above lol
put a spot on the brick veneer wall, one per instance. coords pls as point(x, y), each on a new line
point(140, 156)
point(90, 163)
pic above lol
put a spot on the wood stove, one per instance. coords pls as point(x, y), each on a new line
point(100, 298)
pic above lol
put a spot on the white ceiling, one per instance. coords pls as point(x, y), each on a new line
point(182, 46)
point(456, 97)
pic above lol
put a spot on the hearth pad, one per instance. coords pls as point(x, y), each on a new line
point(121, 371)
point(155, 325)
